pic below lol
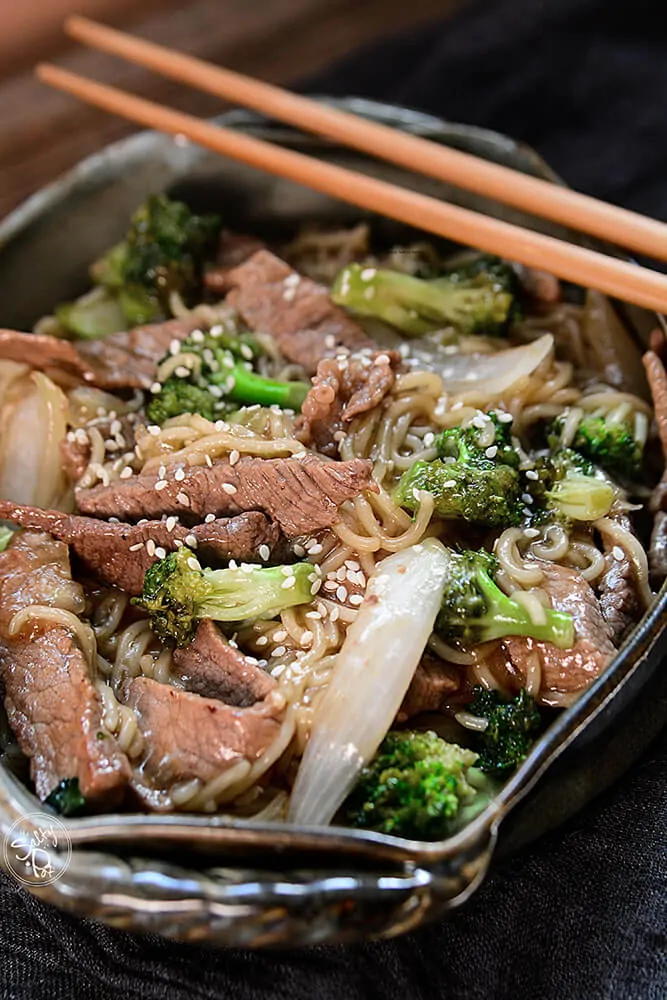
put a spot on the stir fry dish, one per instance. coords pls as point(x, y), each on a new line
point(320, 532)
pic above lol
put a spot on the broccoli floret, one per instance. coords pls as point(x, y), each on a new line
point(419, 787)
point(510, 731)
point(467, 483)
point(474, 609)
point(213, 371)
point(66, 798)
point(164, 251)
point(612, 444)
point(474, 300)
point(177, 593)
point(179, 396)
point(568, 486)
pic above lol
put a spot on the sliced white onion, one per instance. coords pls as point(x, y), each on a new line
point(373, 671)
point(490, 374)
point(33, 423)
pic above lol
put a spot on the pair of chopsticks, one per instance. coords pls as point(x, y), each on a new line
point(621, 279)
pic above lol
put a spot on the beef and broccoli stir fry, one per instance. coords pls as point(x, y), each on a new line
point(316, 532)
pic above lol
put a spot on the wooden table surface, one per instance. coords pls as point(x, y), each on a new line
point(43, 132)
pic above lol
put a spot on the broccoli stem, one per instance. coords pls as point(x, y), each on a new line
point(415, 306)
point(234, 595)
point(509, 617)
point(248, 387)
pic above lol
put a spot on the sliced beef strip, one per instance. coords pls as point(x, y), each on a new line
point(657, 553)
point(297, 312)
point(51, 702)
point(300, 495)
point(117, 554)
point(563, 670)
point(432, 686)
point(654, 363)
point(619, 600)
point(125, 360)
point(343, 388)
point(190, 737)
point(129, 359)
point(233, 249)
point(213, 668)
point(59, 359)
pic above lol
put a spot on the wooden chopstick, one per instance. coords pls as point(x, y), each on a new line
point(617, 278)
point(511, 187)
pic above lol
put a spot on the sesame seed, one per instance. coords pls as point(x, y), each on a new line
point(182, 371)
point(161, 472)
point(288, 583)
point(315, 615)
point(368, 274)
point(618, 553)
point(330, 341)
point(315, 587)
point(492, 451)
point(136, 546)
point(356, 599)
point(229, 489)
point(277, 671)
point(458, 406)
point(183, 498)
point(126, 473)
point(352, 564)
point(208, 460)
point(478, 422)
point(211, 517)
point(150, 547)
point(171, 522)
point(246, 352)
point(175, 347)
point(531, 474)
point(160, 485)
point(450, 484)
point(315, 549)
point(234, 456)
point(262, 640)
point(178, 544)
point(369, 293)
point(382, 359)
point(299, 550)
point(287, 571)
point(280, 635)
point(334, 615)
point(153, 429)
point(191, 541)
point(505, 418)
point(160, 552)
point(193, 563)
point(197, 337)
point(299, 454)
point(429, 439)
point(341, 593)
point(341, 573)
point(306, 638)
point(279, 651)
point(264, 552)
point(526, 497)
point(144, 520)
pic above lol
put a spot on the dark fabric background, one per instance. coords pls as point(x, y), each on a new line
point(583, 914)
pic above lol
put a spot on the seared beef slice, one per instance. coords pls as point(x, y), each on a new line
point(189, 737)
point(119, 554)
point(300, 495)
point(297, 312)
point(211, 667)
point(52, 705)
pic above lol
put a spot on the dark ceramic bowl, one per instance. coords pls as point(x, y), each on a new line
point(240, 883)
